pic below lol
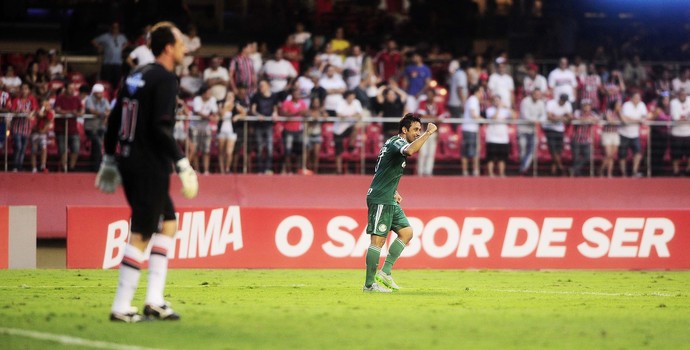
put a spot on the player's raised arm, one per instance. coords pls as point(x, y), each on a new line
point(416, 145)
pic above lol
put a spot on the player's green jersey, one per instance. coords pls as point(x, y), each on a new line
point(389, 168)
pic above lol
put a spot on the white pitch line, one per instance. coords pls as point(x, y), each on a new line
point(527, 291)
point(69, 340)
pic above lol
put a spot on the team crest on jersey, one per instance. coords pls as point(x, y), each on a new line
point(134, 82)
point(403, 164)
point(382, 228)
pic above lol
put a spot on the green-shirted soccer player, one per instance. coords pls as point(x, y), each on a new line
point(383, 201)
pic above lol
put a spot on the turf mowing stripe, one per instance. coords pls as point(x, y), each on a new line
point(604, 294)
point(69, 340)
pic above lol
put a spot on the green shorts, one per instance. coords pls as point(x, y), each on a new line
point(383, 218)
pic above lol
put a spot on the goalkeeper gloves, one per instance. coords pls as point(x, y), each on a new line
point(108, 177)
point(190, 184)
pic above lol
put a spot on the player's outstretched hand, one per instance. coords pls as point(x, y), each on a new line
point(190, 184)
point(108, 177)
point(431, 128)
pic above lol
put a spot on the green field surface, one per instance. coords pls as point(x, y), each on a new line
point(326, 309)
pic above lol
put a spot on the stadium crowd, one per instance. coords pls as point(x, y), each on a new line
point(325, 97)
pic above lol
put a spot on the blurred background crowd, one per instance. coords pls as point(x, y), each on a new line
point(518, 87)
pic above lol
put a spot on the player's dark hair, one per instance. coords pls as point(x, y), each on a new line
point(407, 121)
point(161, 37)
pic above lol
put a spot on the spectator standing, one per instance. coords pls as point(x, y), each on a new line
point(614, 89)
point(497, 137)
point(470, 131)
point(389, 61)
point(610, 138)
point(192, 82)
point(660, 134)
point(111, 45)
point(581, 138)
point(353, 67)
point(11, 81)
point(682, 82)
point(206, 110)
point(292, 52)
point(680, 132)
point(99, 108)
point(663, 84)
point(335, 86)
point(562, 80)
point(339, 44)
point(558, 112)
point(633, 113)
point(532, 112)
point(264, 105)
point(316, 116)
point(280, 73)
point(227, 136)
point(591, 87)
point(330, 57)
point(5, 106)
point(70, 107)
point(417, 77)
point(391, 104)
point(217, 78)
point(457, 91)
point(39, 135)
point(295, 109)
point(55, 67)
point(349, 112)
point(242, 70)
point(476, 70)
point(634, 73)
point(434, 111)
point(38, 81)
point(257, 60)
point(140, 56)
point(501, 84)
point(302, 37)
point(193, 43)
point(534, 80)
point(24, 108)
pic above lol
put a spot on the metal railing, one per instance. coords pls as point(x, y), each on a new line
point(247, 144)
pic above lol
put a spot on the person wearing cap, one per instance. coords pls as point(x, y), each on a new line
point(534, 80)
point(558, 112)
point(501, 84)
point(581, 138)
point(94, 125)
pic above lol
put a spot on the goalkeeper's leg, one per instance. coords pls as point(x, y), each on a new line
point(161, 243)
point(130, 270)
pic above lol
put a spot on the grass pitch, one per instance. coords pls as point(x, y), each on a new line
point(326, 309)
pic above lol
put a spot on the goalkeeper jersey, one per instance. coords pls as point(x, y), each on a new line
point(389, 168)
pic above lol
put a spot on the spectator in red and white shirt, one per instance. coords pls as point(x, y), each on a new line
point(590, 87)
point(433, 109)
point(24, 106)
point(39, 134)
point(242, 70)
point(581, 138)
point(295, 109)
point(69, 106)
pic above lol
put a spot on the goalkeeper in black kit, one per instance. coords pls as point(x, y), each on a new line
point(142, 123)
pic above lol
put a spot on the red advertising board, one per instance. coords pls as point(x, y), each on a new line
point(246, 237)
point(4, 237)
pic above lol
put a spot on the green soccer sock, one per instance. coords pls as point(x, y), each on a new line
point(373, 255)
point(394, 252)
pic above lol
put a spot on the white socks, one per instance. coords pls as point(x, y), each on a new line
point(158, 268)
point(130, 270)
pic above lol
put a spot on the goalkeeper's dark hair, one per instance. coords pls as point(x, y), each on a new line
point(407, 121)
point(161, 36)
